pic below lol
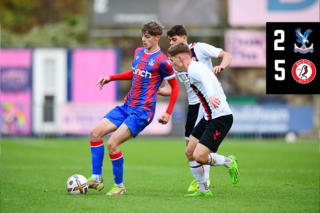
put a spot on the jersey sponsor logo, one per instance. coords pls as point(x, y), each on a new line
point(303, 71)
point(137, 57)
point(303, 39)
point(142, 73)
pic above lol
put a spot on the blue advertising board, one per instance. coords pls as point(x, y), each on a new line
point(271, 119)
point(15, 79)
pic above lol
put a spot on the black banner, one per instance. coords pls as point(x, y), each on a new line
point(293, 58)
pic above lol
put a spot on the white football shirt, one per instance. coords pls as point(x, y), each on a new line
point(203, 53)
point(205, 84)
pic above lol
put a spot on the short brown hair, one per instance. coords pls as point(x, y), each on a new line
point(154, 28)
point(180, 47)
point(177, 30)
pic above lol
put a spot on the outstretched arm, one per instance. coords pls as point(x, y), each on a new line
point(123, 76)
point(226, 60)
point(173, 98)
point(165, 91)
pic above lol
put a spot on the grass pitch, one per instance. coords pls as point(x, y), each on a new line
point(275, 177)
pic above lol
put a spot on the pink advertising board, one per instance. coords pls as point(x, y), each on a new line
point(88, 66)
point(81, 118)
point(243, 13)
point(248, 48)
point(16, 97)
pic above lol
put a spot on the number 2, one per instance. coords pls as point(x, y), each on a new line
point(280, 40)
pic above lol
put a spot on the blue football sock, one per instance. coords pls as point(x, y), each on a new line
point(117, 163)
point(97, 153)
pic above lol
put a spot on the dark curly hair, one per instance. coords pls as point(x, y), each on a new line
point(178, 30)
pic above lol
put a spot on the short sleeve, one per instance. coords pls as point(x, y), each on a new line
point(166, 70)
point(207, 51)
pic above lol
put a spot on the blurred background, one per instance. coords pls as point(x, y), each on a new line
point(54, 52)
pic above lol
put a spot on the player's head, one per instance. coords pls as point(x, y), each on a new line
point(179, 55)
point(151, 33)
point(177, 34)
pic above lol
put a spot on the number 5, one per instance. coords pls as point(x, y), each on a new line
point(277, 41)
point(281, 69)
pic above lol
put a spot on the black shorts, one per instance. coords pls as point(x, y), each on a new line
point(211, 133)
point(192, 116)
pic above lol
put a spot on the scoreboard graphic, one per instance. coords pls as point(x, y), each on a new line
point(293, 58)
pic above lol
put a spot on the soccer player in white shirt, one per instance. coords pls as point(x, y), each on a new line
point(203, 53)
point(207, 136)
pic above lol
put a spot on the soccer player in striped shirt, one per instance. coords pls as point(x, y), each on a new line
point(150, 67)
point(207, 136)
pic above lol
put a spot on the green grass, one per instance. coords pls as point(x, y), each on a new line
point(275, 177)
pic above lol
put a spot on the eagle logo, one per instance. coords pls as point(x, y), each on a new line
point(303, 39)
point(151, 62)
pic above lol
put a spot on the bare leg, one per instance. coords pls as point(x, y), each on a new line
point(201, 154)
point(196, 168)
point(206, 167)
point(191, 147)
point(97, 151)
point(120, 136)
point(103, 128)
point(187, 142)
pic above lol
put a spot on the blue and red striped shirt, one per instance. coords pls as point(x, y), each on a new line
point(149, 70)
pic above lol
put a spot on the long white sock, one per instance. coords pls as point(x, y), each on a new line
point(218, 160)
point(198, 173)
point(207, 171)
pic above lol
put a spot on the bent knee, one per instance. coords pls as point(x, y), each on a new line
point(199, 158)
point(111, 144)
point(95, 135)
point(189, 153)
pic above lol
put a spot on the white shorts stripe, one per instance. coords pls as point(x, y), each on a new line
point(201, 114)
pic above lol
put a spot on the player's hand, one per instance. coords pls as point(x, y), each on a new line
point(217, 69)
point(103, 81)
point(164, 118)
point(214, 101)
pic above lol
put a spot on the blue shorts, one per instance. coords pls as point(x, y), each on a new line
point(135, 118)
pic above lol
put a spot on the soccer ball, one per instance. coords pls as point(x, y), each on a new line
point(77, 184)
